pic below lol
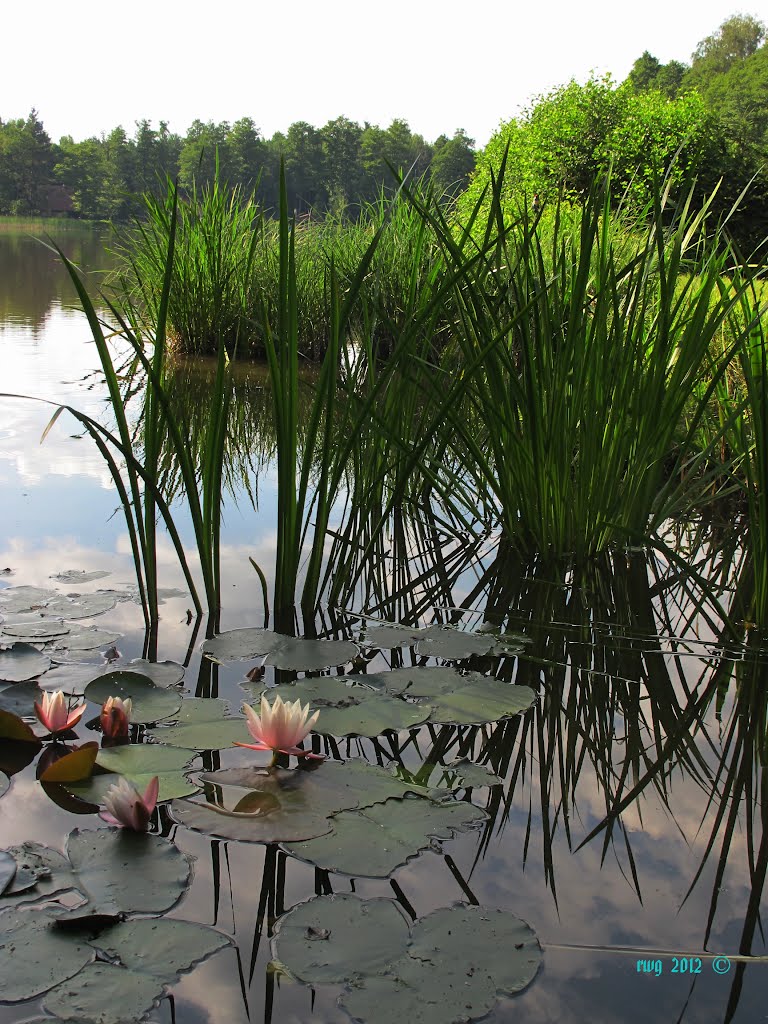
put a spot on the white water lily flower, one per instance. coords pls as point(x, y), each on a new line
point(279, 726)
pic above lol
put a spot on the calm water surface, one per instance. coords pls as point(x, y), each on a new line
point(642, 731)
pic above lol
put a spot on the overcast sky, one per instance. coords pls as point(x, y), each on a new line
point(87, 67)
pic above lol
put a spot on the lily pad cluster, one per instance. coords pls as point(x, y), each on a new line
point(448, 967)
point(95, 962)
point(352, 817)
point(366, 705)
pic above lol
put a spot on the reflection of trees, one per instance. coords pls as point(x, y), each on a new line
point(32, 277)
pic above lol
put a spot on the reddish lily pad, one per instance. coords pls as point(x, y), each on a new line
point(72, 766)
point(12, 728)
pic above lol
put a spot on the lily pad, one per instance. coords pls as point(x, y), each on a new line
point(5, 783)
point(87, 638)
point(22, 661)
point(384, 638)
point(7, 870)
point(351, 710)
point(162, 673)
point(13, 728)
point(39, 629)
point(270, 805)
point(466, 773)
point(139, 763)
point(15, 600)
point(126, 872)
point(160, 946)
point(20, 699)
point(297, 654)
point(81, 606)
point(40, 873)
point(201, 725)
point(73, 766)
point(35, 956)
point(373, 841)
point(241, 644)
point(453, 644)
point(80, 575)
point(340, 938)
point(105, 994)
point(71, 679)
point(150, 702)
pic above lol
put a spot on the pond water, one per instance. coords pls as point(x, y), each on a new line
point(629, 826)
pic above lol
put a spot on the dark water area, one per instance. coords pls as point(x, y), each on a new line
point(629, 826)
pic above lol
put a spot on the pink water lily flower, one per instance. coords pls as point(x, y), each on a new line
point(127, 807)
point(281, 726)
point(54, 714)
point(115, 717)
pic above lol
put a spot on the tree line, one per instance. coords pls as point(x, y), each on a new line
point(328, 169)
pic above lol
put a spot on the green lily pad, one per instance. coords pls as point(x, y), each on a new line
point(373, 841)
point(80, 575)
point(20, 662)
point(20, 699)
point(81, 606)
point(105, 994)
point(126, 872)
point(460, 698)
point(297, 654)
point(350, 710)
point(87, 638)
point(162, 673)
point(453, 644)
point(139, 763)
point(201, 725)
point(339, 938)
point(270, 805)
point(150, 703)
point(161, 947)
point(466, 773)
point(40, 873)
point(71, 679)
point(241, 644)
point(35, 956)
point(16, 600)
point(412, 991)
point(384, 638)
point(7, 870)
point(40, 629)
point(483, 700)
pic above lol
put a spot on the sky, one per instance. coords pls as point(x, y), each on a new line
point(87, 67)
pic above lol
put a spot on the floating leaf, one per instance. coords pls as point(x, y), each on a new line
point(16, 600)
point(7, 870)
point(466, 773)
point(12, 728)
point(22, 661)
point(301, 655)
point(419, 680)
point(36, 956)
point(105, 994)
point(81, 606)
point(139, 763)
point(161, 947)
point(80, 575)
point(20, 699)
point(372, 842)
point(384, 638)
point(453, 644)
point(87, 638)
point(241, 644)
point(70, 679)
point(150, 702)
point(351, 710)
point(126, 872)
point(201, 725)
point(40, 629)
point(73, 766)
point(162, 673)
point(340, 938)
point(5, 783)
point(40, 873)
